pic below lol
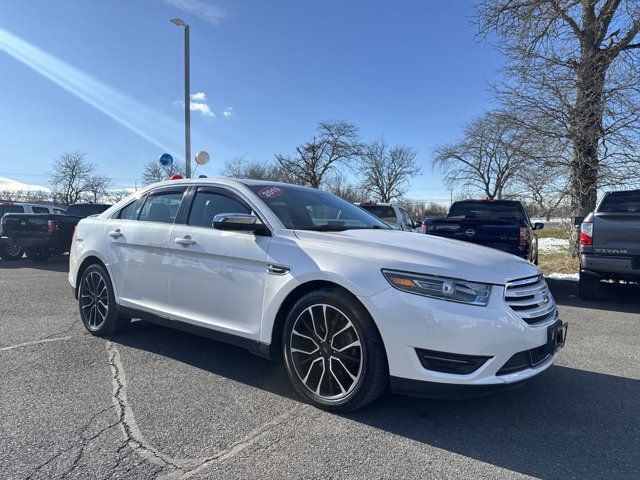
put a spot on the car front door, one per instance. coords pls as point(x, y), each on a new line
point(217, 278)
point(138, 249)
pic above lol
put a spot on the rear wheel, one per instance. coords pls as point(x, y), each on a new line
point(588, 286)
point(98, 308)
point(333, 352)
point(11, 252)
point(38, 254)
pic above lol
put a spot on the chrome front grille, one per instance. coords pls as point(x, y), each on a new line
point(531, 300)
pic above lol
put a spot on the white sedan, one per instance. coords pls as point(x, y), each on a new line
point(296, 273)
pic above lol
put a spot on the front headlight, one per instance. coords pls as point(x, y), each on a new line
point(451, 289)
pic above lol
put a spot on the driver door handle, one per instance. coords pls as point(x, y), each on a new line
point(186, 240)
point(115, 233)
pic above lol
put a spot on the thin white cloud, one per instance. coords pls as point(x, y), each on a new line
point(228, 112)
point(198, 104)
point(205, 10)
point(203, 108)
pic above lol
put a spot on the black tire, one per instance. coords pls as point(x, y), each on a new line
point(38, 254)
point(357, 375)
point(97, 303)
point(11, 253)
point(588, 286)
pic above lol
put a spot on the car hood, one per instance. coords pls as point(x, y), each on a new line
point(420, 253)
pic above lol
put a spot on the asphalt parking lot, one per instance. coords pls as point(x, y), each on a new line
point(158, 403)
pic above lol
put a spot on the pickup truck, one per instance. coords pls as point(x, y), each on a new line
point(14, 252)
point(500, 224)
point(40, 234)
point(610, 243)
point(393, 215)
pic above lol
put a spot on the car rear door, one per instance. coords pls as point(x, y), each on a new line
point(138, 249)
point(217, 278)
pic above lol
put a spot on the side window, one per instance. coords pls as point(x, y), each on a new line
point(57, 211)
point(131, 211)
point(207, 205)
point(40, 209)
point(162, 207)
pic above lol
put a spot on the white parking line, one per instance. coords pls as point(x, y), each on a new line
point(35, 342)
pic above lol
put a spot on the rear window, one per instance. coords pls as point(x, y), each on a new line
point(486, 210)
point(621, 202)
point(11, 209)
point(383, 212)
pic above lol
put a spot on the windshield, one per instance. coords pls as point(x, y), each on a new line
point(303, 208)
point(621, 202)
point(486, 211)
point(383, 212)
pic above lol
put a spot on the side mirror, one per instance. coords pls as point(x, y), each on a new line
point(577, 221)
point(239, 222)
point(538, 226)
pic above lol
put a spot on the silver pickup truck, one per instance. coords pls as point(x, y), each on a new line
point(610, 242)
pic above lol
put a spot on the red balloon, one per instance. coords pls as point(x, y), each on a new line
point(177, 176)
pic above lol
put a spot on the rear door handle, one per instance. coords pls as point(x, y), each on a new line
point(186, 241)
point(115, 233)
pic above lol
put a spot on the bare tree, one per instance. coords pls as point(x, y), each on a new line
point(155, 172)
point(336, 145)
point(114, 196)
point(240, 167)
point(26, 195)
point(97, 187)
point(339, 185)
point(70, 177)
point(489, 157)
point(573, 69)
point(386, 171)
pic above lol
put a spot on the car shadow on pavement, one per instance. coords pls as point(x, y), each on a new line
point(617, 298)
point(567, 423)
point(53, 264)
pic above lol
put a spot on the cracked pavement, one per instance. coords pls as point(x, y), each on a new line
point(155, 403)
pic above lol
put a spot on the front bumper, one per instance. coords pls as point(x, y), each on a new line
point(408, 322)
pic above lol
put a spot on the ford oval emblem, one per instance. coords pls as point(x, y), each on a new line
point(470, 232)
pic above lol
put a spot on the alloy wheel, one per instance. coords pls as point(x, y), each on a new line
point(326, 352)
point(94, 300)
point(14, 250)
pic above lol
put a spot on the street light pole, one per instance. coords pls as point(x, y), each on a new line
point(187, 96)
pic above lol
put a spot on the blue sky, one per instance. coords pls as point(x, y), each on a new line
point(106, 78)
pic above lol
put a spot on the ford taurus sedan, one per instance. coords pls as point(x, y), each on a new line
point(291, 272)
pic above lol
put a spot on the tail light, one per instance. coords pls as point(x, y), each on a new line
point(524, 236)
point(424, 227)
point(586, 233)
point(52, 226)
point(2, 224)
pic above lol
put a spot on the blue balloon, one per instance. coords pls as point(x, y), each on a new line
point(166, 160)
point(202, 176)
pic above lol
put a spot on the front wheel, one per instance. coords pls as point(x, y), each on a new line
point(97, 302)
point(11, 252)
point(333, 351)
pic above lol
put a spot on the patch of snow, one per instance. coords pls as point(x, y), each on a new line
point(550, 245)
point(8, 185)
point(572, 277)
point(551, 221)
